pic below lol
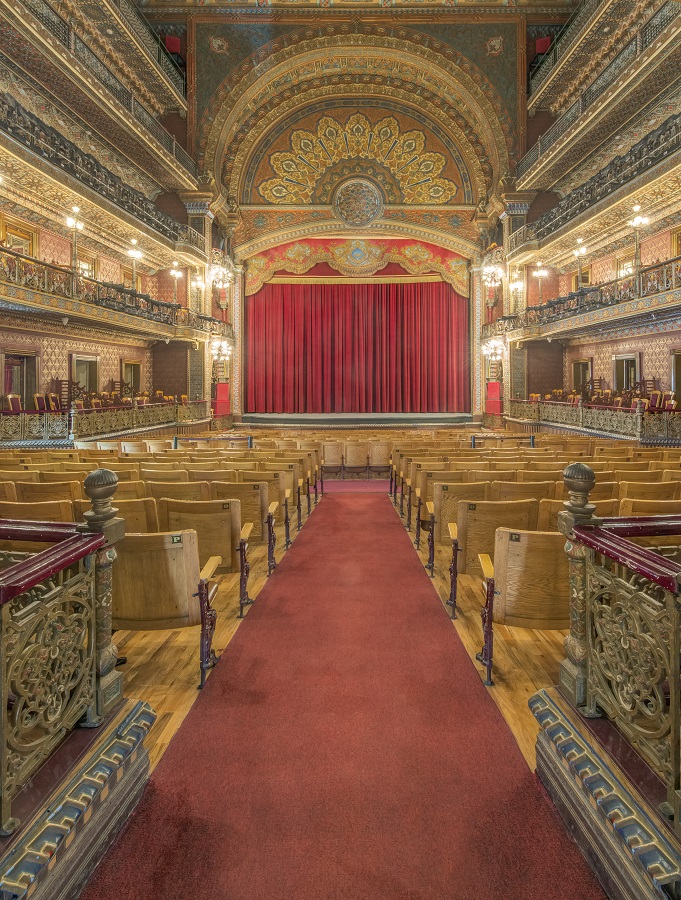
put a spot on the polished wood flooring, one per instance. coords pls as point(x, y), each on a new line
point(163, 668)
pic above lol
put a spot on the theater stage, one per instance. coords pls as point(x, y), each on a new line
point(358, 420)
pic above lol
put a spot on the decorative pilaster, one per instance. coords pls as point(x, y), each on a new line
point(237, 379)
point(579, 480)
point(100, 487)
point(476, 316)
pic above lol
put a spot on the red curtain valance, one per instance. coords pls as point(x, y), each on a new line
point(357, 348)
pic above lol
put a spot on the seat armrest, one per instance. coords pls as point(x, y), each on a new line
point(487, 566)
point(272, 508)
point(300, 482)
point(430, 507)
point(209, 569)
point(287, 493)
point(246, 530)
point(453, 531)
point(407, 481)
point(418, 493)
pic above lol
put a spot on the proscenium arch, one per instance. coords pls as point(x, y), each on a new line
point(268, 81)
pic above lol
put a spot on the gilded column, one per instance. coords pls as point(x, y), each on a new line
point(579, 480)
point(476, 318)
point(100, 487)
point(237, 379)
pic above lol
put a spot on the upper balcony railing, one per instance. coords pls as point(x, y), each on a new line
point(652, 280)
point(152, 43)
point(640, 42)
point(47, 143)
point(648, 152)
point(29, 273)
point(63, 32)
point(565, 41)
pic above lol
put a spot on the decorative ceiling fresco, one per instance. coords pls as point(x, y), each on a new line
point(354, 126)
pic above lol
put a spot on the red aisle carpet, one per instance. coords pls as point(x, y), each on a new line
point(344, 747)
point(370, 486)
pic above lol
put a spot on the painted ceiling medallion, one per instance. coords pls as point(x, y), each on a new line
point(358, 202)
point(415, 171)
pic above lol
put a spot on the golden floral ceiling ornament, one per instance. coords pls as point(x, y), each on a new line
point(415, 170)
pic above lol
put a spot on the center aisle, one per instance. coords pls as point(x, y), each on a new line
point(344, 747)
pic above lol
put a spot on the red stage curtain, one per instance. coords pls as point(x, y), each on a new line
point(357, 348)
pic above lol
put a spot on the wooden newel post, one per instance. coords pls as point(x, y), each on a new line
point(100, 487)
point(579, 480)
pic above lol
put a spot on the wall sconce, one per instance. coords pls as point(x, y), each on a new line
point(516, 287)
point(493, 350)
point(135, 255)
point(75, 225)
point(175, 273)
point(540, 274)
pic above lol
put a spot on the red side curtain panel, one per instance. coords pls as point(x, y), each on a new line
point(357, 348)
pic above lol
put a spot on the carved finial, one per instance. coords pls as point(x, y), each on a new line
point(99, 487)
point(579, 480)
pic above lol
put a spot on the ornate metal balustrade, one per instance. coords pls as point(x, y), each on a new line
point(79, 424)
point(640, 42)
point(624, 644)
point(648, 152)
point(587, 417)
point(565, 41)
point(651, 281)
point(63, 32)
point(25, 272)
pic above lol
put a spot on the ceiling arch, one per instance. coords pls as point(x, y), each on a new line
point(288, 75)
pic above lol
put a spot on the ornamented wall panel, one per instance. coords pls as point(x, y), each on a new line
point(655, 349)
point(55, 351)
point(550, 288)
point(564, 285)
point(55, 249)
point(656, 248)
point(603, 270)
point(109, 270)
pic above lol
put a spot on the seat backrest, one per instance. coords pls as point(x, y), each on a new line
point(77, 475)
point(163, 475)
point(216, 522)
point(277, 486)
point(158, 446)
point(477, 523)
point(154, 578)
point(490, 475)
point(540, 475)
point(16, 475)
point(446, 498)
point(8, 492)
point(134, 447)
point(211, 474)
point(428, 477)
point(198, 462)
point(108, 445)
point(31, 492)
point(632, 507)
point(356, 454)
point(39, 511)
point(33, 466)
point(177, 490)
point(531, 578)
point(140, 514)
point(332, 453)
point(636, 475)
point(641, 490)
point(531, 490)
point(130, 490)
point(602, 490)
point(549, 509)
point(254, 499)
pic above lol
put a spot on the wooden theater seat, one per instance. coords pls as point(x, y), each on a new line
point(602, 490)
point(75, 475)
point(130, 490)
point(178, 490)
point(446, 498)
point(211, 475)
point(32, 492)
point(549, 509)
point(158, 585)
point(632, 507)
point(140, 514)
point(531, 581)
point(254, 499)
point(39, 511)
point(8, 492)
point(531, 490)
point(642, 490)
point(477, 523)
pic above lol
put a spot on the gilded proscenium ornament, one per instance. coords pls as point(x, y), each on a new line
point(404, 155)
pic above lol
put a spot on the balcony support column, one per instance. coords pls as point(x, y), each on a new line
point(200, 218)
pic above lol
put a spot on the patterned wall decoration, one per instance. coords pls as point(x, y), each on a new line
point(550, 288)
point(54, 356)
point(518, 364)
point(109, 270)
point(393, 153)
point(564, 285)
point(544, 366)
point(603, 270)
point(54, 249)
point(162, 287)
point(655, 349)
point(656, 249)
point(358, 258)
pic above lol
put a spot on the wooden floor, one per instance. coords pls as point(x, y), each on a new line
point(163, 666)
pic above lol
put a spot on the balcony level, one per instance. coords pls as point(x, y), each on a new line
point(648, 174)
point(28, 285)
point(39, 40)
point(645, 68)
point(652, 294)
point(37, 161)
